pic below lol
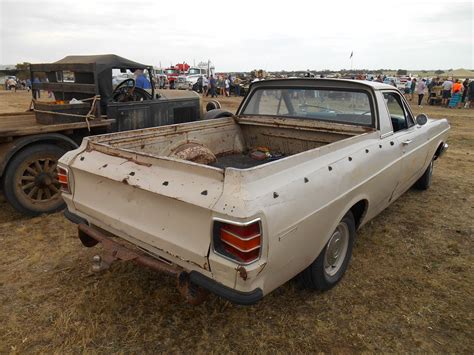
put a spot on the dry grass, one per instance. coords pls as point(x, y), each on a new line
point(409, 286)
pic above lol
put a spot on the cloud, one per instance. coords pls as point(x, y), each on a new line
point(244, 35)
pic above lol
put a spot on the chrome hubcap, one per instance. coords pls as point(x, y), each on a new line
point(336, 250)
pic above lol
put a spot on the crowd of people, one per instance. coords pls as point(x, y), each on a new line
point(454, 93)
point(14, 84)
point(221, 85)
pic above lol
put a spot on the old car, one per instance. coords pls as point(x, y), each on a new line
point(86, 103)
point(240, 205)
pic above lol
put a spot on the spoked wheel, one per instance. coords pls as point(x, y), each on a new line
point(331, 264)
point(31, 181)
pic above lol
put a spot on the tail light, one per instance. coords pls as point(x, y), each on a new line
point(241, 243)
point(63, 178)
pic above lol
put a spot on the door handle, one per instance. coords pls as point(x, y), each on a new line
point(406, 142)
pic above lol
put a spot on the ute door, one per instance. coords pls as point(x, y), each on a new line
point(410, 141)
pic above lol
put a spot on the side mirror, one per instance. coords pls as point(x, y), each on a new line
point(421, 119)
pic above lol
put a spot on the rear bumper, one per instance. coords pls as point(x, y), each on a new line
point(234, 296)
point(90, 236)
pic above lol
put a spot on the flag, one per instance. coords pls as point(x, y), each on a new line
point(352, 53)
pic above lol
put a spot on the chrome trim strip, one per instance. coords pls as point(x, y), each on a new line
point(385, 135)
point(68, 191)
point(241, 250)
point(236, 223)
point(241, 238)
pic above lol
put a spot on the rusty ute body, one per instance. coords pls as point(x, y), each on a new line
point(241, 227)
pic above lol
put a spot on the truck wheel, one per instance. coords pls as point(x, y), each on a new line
point(424, 181)
point(331, 264)
point(217, 113)
point(31, 184)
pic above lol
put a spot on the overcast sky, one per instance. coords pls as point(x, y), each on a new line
point(244, 35)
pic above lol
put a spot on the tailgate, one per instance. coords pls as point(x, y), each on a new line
point(165, 204)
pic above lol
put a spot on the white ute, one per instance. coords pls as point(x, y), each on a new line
point(239, 205)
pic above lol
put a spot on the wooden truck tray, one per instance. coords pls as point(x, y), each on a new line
point(57, 113)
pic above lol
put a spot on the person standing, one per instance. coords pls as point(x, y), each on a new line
point(11, 84)
point(433, 82)
point(407, 88)
point(412, 88)
point(205, 83)
point(470, 95)
point(457, 92)
point(465, 85)
point(447, 87)
point(28, 84)
point(212, 84)
point(227, 87)
point(36, 92)
point(220, 86)
point(420, 90)
point(237, 86)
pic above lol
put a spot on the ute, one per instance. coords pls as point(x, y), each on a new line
point(239, 205)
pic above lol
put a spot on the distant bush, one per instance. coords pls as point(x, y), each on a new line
point(23, 70)
point(402, 72)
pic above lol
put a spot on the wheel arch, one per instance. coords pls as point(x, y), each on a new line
point(440, 150)
point(359, 211)
point(9, 149)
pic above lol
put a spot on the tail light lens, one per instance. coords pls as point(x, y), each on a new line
point(63, 178)
point(242, 243)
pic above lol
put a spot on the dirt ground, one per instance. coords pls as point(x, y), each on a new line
point(409, 286)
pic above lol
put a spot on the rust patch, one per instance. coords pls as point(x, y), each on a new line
point(242, 272)
point(128, 159)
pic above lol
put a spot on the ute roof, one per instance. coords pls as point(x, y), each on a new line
point(323, 82)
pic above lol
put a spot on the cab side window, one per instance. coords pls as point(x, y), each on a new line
point(401, 118)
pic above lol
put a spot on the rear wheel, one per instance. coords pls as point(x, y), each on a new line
point(331, 264)
point(31, 183)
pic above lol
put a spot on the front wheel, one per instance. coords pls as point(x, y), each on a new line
point(331, 264)
point(31, 183)
point(424, 182)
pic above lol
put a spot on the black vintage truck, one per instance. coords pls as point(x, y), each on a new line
point(86, 102)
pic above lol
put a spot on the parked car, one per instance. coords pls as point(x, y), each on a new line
point(241, 204)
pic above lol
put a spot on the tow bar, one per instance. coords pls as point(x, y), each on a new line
point(114, 251)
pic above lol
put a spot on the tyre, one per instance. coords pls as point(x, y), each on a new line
point(30, 182)
point(213, 105)
point(331, 264)
point(424, 181)
point(217, 113)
